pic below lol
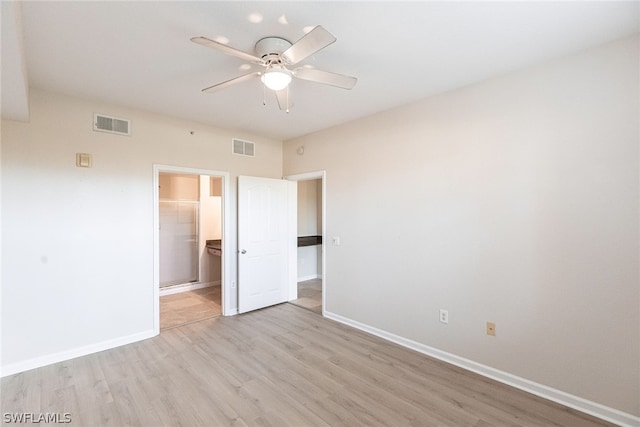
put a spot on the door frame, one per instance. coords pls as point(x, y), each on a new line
point(227, 235)
point(293, 255)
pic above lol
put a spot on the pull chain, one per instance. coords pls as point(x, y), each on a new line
point(287, 99)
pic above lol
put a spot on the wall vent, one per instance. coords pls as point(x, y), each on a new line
point(244, 148)
point(102, 123)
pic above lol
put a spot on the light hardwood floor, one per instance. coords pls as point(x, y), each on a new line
point(310, 295)
point(190, 306)
point(280, 366)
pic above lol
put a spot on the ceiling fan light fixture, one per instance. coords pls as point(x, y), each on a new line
point(276, 78)
point(273, 53)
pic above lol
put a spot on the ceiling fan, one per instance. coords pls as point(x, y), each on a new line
point(276, 54)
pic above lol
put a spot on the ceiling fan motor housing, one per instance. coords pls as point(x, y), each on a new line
point(270, 48)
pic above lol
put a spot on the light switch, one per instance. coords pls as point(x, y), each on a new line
point(83, 160)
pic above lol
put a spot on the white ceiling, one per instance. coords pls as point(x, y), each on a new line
point(139, 54)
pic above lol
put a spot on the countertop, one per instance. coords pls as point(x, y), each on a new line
point(309, 241)
point(215, 244)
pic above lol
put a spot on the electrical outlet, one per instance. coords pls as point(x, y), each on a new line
point(491, 329)
point(444, 316)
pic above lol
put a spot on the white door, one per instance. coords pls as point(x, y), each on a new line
point(266, 234)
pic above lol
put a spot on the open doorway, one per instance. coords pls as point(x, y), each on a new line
point(310, 251)
point(189, 241)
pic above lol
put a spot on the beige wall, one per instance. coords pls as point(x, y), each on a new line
point(308, 208)
point(78, 243)
point(1, 245)
point(175, 186)
point(513, 201)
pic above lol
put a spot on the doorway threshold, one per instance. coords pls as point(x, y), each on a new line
point(309, 295)
point(184, 287)
point(188, 307)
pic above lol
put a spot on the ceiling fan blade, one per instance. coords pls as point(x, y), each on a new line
point(226, 49)
point(228, 83)
point(284, 99)
point(325, 77)
point(310, 43)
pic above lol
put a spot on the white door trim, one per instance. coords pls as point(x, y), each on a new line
point(322, 175)
point(227, 236)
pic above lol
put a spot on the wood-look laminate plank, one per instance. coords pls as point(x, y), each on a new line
point(486, 392)
point(22, 391)
point(280, 366)
point(428, 397)
point(269, 399)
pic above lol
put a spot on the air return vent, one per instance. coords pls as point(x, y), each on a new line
point(102, 123)
point(244, 148)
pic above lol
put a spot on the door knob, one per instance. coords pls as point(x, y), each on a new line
point(243, 251)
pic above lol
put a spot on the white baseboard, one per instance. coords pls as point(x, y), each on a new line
point(37, 362)
point(592, 408)
point(232, 312)
point(187, 287)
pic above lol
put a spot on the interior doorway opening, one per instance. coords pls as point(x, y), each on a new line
point(190, 264)
point(310, 252)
